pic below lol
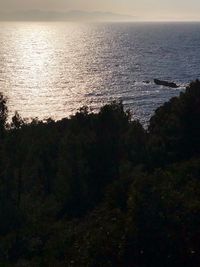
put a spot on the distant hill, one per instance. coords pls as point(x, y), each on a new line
point(74, 15)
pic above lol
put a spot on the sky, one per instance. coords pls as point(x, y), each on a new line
point(139, 9)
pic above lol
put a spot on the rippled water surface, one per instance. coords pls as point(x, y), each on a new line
point(52, 69)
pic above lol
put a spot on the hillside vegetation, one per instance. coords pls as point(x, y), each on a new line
point(99, 190)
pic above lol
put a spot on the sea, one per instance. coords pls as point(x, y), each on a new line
point(52, 69)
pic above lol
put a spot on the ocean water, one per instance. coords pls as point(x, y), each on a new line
point(52, 69)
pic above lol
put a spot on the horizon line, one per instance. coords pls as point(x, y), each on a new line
point(99, 20)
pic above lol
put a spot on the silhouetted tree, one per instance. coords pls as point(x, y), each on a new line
point(17, 121)
point(3, 114)
point(175, 129)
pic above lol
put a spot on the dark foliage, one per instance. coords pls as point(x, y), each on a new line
point(175, 128)
point(100, 190)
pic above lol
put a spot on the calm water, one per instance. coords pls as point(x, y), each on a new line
point(52, 69)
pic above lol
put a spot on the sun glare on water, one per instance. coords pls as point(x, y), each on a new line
point(37, 66)
point(34, 61)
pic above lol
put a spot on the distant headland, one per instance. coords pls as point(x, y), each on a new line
point(73, 15)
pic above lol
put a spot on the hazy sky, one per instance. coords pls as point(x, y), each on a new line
point(143, 9)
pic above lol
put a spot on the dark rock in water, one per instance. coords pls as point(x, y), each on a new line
point(147, 82)
point(165, 83)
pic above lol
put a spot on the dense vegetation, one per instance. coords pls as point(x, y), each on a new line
point(100, 190)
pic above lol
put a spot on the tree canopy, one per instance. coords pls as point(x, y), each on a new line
point(100, 189)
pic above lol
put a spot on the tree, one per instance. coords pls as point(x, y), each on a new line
point(3, 114)
point(175, 128)
point(17, 121)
